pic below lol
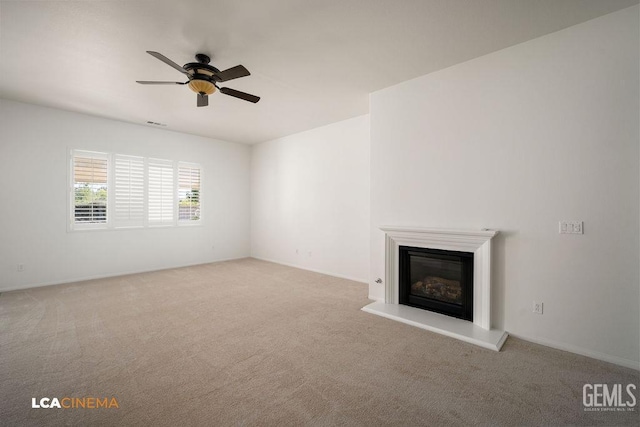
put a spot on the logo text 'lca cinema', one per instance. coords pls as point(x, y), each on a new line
point(75, 403)
point(605, 397)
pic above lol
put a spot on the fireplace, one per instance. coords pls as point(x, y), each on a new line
point(471, 323)
point(437, 280)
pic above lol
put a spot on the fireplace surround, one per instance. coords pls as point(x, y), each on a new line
point(477, 242)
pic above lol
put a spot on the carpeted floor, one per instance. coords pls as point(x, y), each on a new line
point(249, 342)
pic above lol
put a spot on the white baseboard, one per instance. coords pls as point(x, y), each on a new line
point(341, 276)
point(627, 363)
point(104, 276)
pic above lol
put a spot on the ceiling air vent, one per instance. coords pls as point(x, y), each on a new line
point(149, 122)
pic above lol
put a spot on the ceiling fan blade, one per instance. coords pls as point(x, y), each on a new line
point(238, 94)
point(203, 100)
point(167, 61)
point(145, 82)
point(232, 73)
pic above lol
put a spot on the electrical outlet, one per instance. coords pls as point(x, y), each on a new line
point(571, 227)
point(537, 307)
point(20, 267)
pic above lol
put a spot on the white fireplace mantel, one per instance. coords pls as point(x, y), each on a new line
point(477, 242)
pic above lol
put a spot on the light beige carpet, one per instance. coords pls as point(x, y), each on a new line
point(253, 343)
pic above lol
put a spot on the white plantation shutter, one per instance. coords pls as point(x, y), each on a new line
point(161, 192)
point(129, 191)
point(89, 189)
point(110, 190)
point(188, 192)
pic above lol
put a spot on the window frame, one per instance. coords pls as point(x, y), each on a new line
point(111, 222)
point(189, 222)
point(79, 225)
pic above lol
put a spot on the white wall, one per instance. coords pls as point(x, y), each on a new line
point(516, 141)
point(310, 193)
point(34, 142)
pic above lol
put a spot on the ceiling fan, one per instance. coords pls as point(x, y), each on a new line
point(204, 78)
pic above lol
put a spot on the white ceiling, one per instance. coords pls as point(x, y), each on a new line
point(312, 62)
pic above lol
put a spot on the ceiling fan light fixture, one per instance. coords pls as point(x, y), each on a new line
point(202, 86)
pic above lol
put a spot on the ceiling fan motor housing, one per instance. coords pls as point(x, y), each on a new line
point(201, 75)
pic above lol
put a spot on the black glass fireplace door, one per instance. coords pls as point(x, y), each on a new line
point(437, 280)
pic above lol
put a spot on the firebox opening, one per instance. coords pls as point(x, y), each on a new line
point(437, 280)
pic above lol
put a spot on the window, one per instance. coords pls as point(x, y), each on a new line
point(129, 191)
point(188, 193)
point(89, 189)
point(112, 191)
point(161, 192)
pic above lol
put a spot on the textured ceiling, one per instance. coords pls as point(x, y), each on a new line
point(312, 62)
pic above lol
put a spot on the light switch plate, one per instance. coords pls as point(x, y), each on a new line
point(571, 227)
